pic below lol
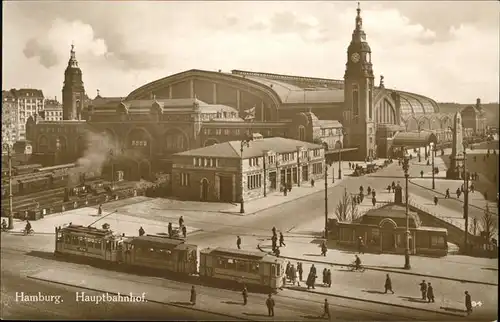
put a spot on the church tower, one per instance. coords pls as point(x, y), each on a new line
point(73, 92)
point(358, 94)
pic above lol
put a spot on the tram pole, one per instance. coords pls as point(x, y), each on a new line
point(102, 217)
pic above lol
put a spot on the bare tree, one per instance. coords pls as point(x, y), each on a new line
point(347, 208)
point(488, 222)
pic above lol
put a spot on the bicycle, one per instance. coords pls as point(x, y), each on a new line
point(353, 268)
point(28, 233)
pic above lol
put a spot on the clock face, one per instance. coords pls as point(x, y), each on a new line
point(355, 57)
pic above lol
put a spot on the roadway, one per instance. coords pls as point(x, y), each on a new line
point(23, 256)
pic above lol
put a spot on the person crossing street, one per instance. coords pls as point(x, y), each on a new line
point(388, 284)
point(326, 309)
point(245, 295)
point(238, 242)
point(282, 240)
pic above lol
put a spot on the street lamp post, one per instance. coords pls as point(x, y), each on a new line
point(244, 143)
point(406, 167)
point(466, 201)
point(340, 153)
point(326, 199)
point(433, 147)
point(11, 211)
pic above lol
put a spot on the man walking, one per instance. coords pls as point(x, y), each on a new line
point(282, 240)
point(468, 303)
point(245, 295)
point(326, 309)
point(430, 293)
point(238, 242)
point(299, 269)
point(388, 284)
point(193, 296)
point(423, 290)
point(270, 305)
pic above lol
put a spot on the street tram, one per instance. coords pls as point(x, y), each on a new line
point(88, 242)
point(242, 266)
point(160, 252)
point(174, 255)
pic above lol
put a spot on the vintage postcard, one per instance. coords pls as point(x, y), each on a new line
point(250, 160)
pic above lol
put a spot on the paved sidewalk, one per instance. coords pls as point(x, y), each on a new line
point(369, 286)
point(175, 294)
point(119, 223)
point(463, 268)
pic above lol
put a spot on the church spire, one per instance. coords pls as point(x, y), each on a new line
point(359, 20)
point(73, 63)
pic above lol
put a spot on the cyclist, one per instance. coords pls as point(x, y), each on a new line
point(357, 263)
point(27, 229)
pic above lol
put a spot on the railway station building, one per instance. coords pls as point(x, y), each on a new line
point(198, 108)
point(232, 171)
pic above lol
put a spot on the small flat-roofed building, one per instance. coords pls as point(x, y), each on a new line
point(233, 171)
point(383, 230)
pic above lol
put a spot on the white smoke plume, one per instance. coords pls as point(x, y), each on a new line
point(100, 148)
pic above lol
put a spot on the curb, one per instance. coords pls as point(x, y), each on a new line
point(385, 270)
point(330, 185)
point(375, 302)
point(152, 301)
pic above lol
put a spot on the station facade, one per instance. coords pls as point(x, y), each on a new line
point(198, 108)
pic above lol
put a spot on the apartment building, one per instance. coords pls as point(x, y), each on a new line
point(10, 128)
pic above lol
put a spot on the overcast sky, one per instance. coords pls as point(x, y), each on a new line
point(448, 51)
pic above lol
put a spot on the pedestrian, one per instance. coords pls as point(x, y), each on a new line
point(245, 295)
point(287, 270)
point(274, 231)
point(423, 290)
point(300, 270)
point(282, 240)
point(393, 185)
point(309, 281)
point(326, 309)
point(389, 188)
point(293, 275)
point(193, 296)
point(430, 293)
point(141, 231)
point(468, 303)
point(360, 245)
point(277, 252)
point(374, 194)
point(312, 182)
point(374, 201)
point(472, 188)
point(458, 193)
point(369, 190)
point(447, 194)
point(184, 231)
point(421, 173)
point(238, 242)
point(349, 165)
point(274, 241)
point(99, 210)
point(270, 305)
point(388, 284)
point(324, 249)
point(181, 221)
point(313, 270)
point(361, 189)
point(324, 275)
point(435, 200)
point(329, 278)
point(169, 229)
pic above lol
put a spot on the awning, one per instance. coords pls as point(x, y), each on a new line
point(413, 139)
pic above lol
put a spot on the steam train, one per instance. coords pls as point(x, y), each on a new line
point(171, 256)
point(27, 179)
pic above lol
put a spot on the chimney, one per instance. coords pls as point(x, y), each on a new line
point(478, 103)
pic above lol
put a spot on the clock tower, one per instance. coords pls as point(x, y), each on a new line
point(358, 111)
point(73, 92)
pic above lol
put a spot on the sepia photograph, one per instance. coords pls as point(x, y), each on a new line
point(250, 160)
